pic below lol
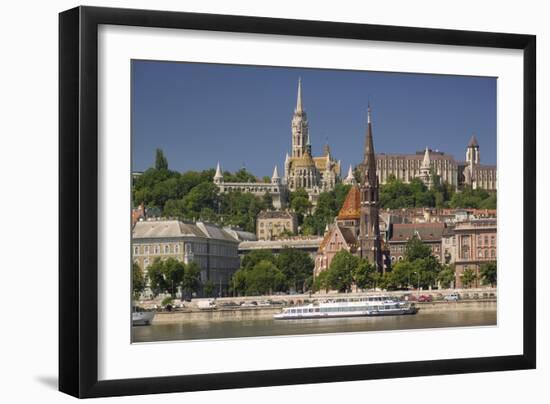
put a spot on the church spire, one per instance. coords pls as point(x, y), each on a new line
point(369, 160)
point(299, 106)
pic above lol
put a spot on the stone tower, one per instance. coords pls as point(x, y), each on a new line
point(472, 152)
point(369, 226)
point(300, 129)
point(426, 169)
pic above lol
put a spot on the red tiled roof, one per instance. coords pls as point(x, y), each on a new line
point(351, 209)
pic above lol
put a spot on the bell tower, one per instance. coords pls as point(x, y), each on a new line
point(300, 129)
point(369, 226)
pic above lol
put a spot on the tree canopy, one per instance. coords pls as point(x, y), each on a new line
point(193, 195)
point(262, 272)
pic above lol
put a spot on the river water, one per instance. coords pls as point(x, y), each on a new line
point(270, 327)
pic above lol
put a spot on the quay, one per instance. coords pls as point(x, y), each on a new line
point(264, 307)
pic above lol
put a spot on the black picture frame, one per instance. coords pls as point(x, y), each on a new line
point(78, 201)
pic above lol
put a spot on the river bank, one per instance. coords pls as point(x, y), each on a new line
point(192, 315)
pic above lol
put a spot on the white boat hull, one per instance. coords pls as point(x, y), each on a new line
point(381, 307)
point(142, 317)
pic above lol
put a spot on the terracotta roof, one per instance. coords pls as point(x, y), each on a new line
point(425, 231)
point(351, 209)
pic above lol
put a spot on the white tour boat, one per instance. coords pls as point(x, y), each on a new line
point(367, 306)
point(142, 317)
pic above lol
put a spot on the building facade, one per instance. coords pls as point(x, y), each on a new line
point(273, 224)
point(302, 169)
point(213, 248)
point(475, 244)
point(277, 190)
point(309, 244)
point(430, 234)
point(423, 164)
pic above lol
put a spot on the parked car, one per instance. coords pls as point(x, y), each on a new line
point(452, 296)
point(425, 298)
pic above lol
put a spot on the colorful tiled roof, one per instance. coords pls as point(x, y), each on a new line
point(351, 209)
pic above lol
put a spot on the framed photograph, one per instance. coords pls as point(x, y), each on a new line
point(251, 201)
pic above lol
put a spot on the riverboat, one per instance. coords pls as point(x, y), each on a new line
point(371, 306)
point(142, 317)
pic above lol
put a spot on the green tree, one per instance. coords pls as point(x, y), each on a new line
point(488, 273)
point(320, 282)
point(191, 280)
point(250, 260)
point(446, 276)
point(267, 201)
point(341, 270)
point(264, 278)
point(173, 272)
point(401, 276)
point(416, 249)
point(364, 275)
point(155, 273)
point(302, 206)
point(139, 280)
point(209, 288)
point(468, 277)
point(160, 161)
point(297, 266)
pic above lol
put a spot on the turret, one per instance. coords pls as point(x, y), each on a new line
point(472, 151)
point(350, 179)
point(275, 179)
point(218, 177)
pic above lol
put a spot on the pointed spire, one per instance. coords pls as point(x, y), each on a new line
point(350, 173)
point(299, 106)
point(287, 157)
point(473, 142)
point(275, 174)
point(369, 160)
point(368, 113)
point(218, 177)
point(426, 161)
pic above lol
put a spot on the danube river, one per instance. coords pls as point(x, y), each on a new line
point(270, 327)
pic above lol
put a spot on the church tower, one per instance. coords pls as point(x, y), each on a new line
point(369, 226)
point(426, 169)
point(300, 130)
point(472, 152)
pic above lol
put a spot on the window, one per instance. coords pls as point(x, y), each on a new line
point(146, 249)
point(136, 250)
point(177, 248)
point(166, 249)
point(486, 253)
point(492, 253)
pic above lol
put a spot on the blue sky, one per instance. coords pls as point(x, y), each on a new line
point(240, 115)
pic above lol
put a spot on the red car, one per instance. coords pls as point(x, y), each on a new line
point(425, 298)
